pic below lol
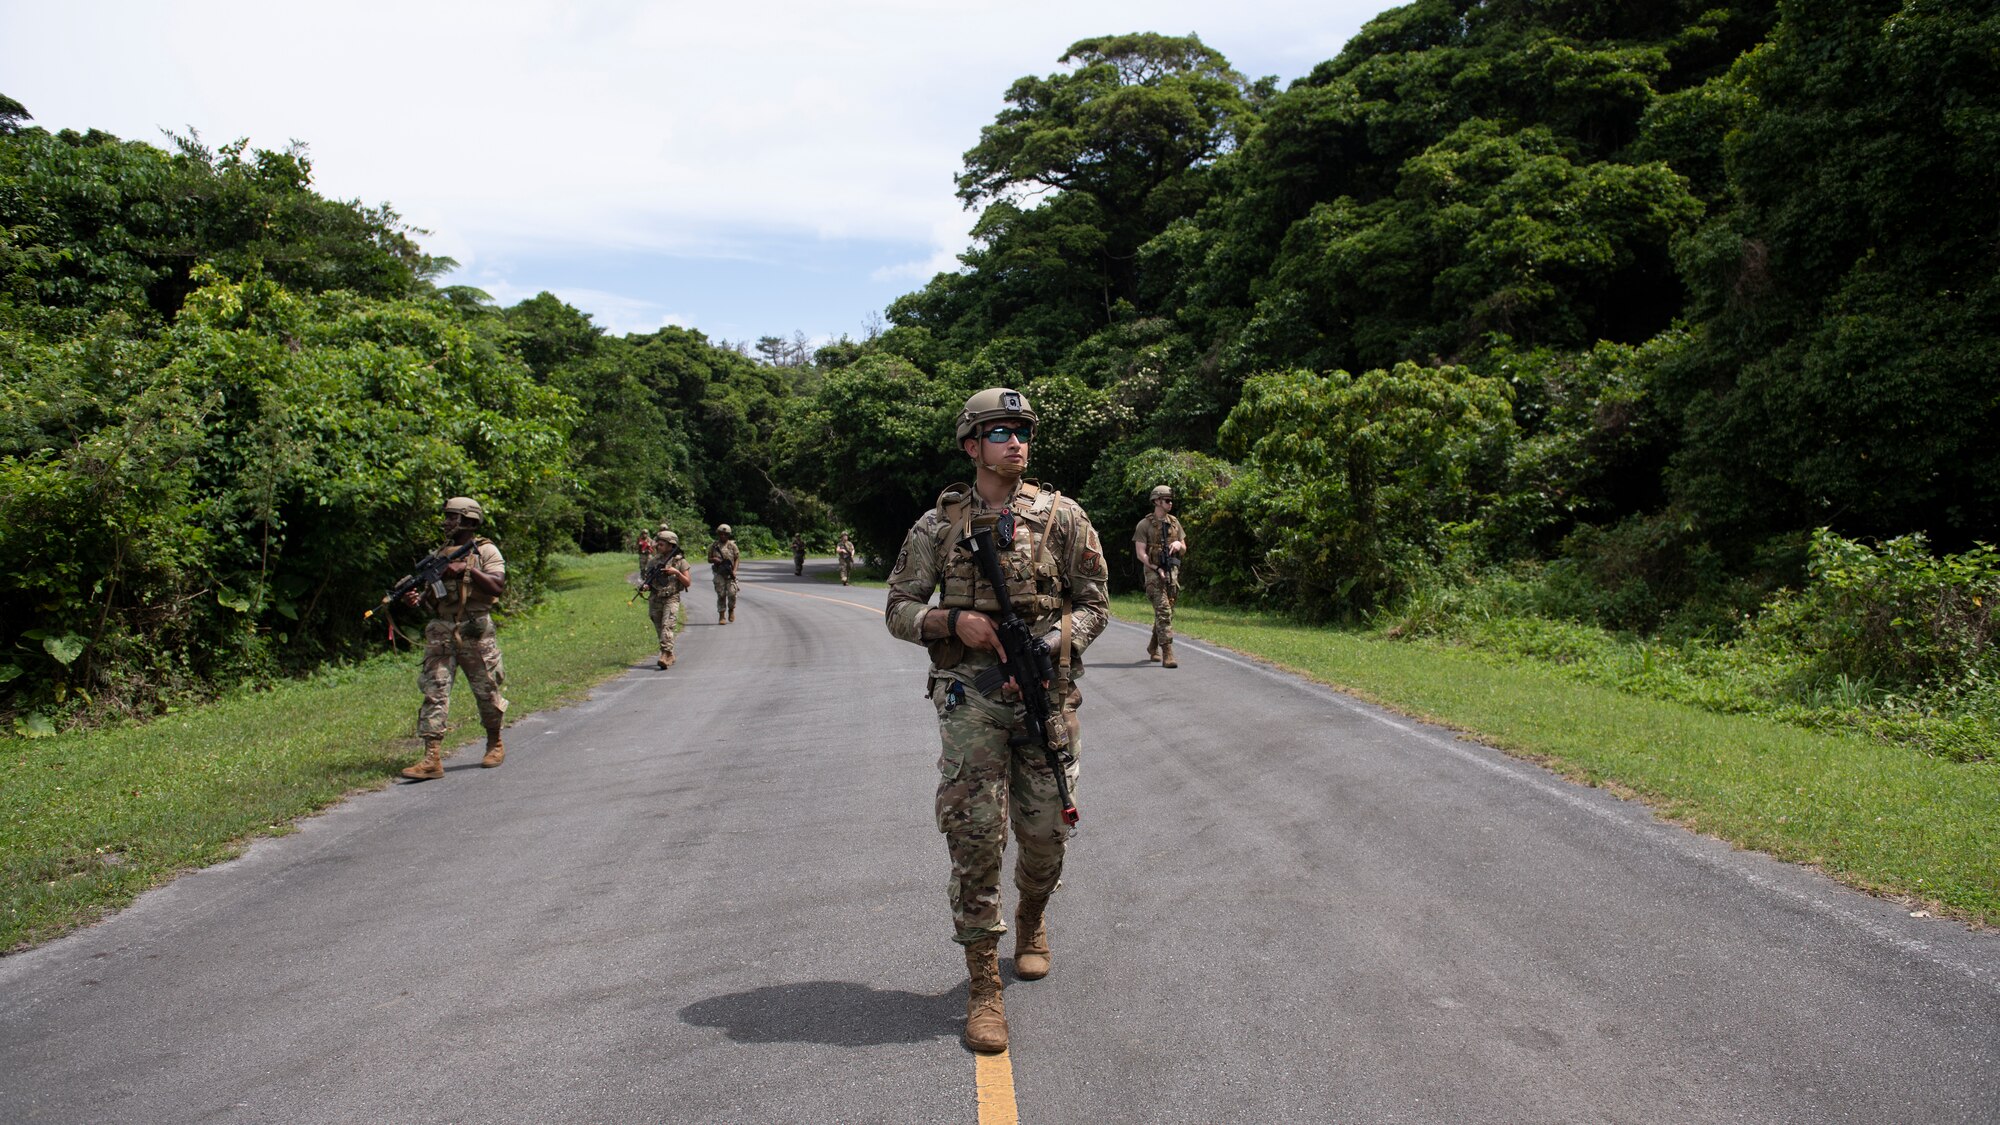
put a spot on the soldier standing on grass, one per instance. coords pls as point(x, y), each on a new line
point(664, 577)
point(844, 550)
point(460, 635)
point(723, 555)
point(1161, 543)
point(1055, 576)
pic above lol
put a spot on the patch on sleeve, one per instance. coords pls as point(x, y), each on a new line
point(1093, 555)
point(902, 563)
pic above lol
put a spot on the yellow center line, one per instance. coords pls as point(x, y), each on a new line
point(820, 598)
point(996, 1090)
point(994, 1076)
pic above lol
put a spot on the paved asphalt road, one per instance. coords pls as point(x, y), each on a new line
point(716, 895)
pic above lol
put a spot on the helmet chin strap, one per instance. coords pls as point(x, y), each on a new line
point(1001, 468)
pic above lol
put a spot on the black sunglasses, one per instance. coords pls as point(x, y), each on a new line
point(1023, 433)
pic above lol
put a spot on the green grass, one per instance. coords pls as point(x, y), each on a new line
point(1881, 817)
point(90, 820)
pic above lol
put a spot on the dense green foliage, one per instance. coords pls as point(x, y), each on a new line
point(1649, 318)
point(1662, 306)
point(230, 409)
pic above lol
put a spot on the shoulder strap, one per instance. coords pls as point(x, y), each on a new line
point(1042, 543)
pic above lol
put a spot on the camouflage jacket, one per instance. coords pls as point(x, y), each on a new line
point(486, 559)
point(1054, 557)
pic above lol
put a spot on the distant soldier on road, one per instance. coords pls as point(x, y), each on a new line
point(844, 550)
point(722, 556)
point(1055, 573)
point(665, 575)
point(460, 635)
point(1160, 544)
point(798, 554)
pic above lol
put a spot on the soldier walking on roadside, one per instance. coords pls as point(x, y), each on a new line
point(844, 550)
point(666, 574)
point(723, 555)
point(460, 635)
point(798, 554)
point(1055, 571)
point(1160, 544)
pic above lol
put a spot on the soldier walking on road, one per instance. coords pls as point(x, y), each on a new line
point(665, 576)
point(844, 550)
point(1056, 573)
point(460, 635)
point(722, 556)
point(1161, 543)
point(798, 554)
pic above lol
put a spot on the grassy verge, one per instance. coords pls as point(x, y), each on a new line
point(90, 820)
point(1883, 818)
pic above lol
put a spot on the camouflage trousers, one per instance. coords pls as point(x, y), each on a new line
point(725, 595)
point(470, 645)
point(846, 568)
point(799, 563)
point(666, 613)
point(1163, 595)
point(984, 787)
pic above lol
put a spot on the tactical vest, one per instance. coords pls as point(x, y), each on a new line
point(1034, 576)
point(458, 595)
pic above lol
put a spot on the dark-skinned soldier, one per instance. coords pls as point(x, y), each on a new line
point(460, 636)
point(1055, 572)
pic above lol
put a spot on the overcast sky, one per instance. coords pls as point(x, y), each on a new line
point(746, 168)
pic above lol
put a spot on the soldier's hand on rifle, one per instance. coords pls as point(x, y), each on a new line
point(455, 569)
point(411, 597)
point(976, 630)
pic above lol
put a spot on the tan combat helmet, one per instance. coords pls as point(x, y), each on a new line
point(724, 530)
point(466, 509)
point(667, 536)
point(993, 404)
point(1163, 492)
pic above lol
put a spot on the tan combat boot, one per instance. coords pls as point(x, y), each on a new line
point(660, 662)
point(1152, 648)
point(985, 1014)
point(496, 752)
point(1167, 655)
point(1031, 938)
point(732, 615)
point(432, 767)
point(667, 661)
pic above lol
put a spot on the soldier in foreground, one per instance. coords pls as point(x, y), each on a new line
point(1055, 573)
point(798, 554)
point(722, 556)
point(665, 575)
point(1161, 543)
point(844, 551)
point(460, 635)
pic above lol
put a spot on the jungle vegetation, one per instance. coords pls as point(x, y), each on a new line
point(1536, 324)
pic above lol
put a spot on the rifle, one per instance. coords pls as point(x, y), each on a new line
point(1028, 657)
point(649, 579)
point(429, 572)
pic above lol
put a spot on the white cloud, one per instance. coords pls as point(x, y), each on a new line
point(616, 313)
point(523, 126)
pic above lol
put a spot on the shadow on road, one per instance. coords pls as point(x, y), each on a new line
point(839, 1013)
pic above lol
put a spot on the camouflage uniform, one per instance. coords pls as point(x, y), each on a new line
point(1154, 533)
point(984, 783)
point(726, 585)
point(798, 555)
point(844, 550)
point(665, 604)
point(460, 635)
